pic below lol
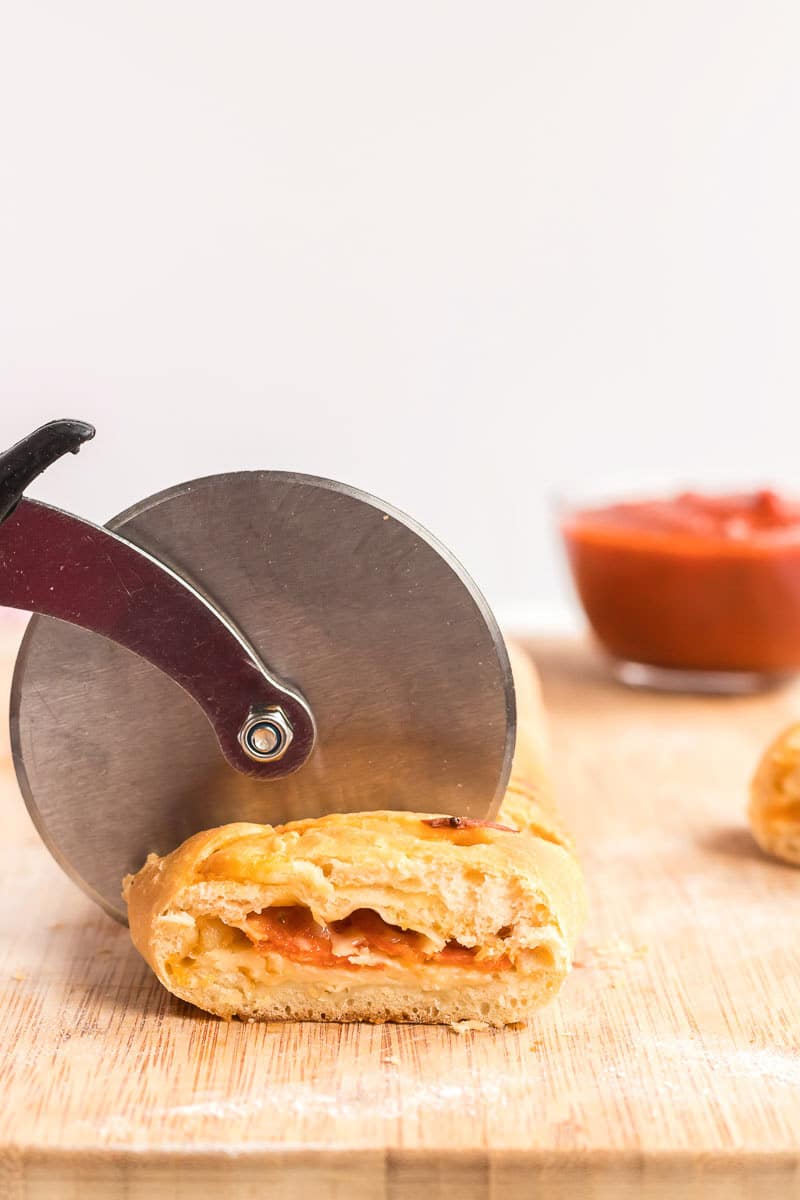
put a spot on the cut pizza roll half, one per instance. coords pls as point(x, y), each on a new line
point(374, 916)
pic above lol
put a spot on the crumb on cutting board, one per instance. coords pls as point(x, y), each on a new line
point(616, 952)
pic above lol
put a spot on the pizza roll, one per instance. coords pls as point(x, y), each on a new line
point(774, 811)
point(373, 916)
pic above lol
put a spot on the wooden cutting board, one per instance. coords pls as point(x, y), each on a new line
point(670, 1064)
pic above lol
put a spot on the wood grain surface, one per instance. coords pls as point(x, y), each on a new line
point(670, 1064)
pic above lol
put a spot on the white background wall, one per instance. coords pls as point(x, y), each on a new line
point(461, 254)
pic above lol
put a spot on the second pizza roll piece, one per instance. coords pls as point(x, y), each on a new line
point(374, 916)
point(774, 810)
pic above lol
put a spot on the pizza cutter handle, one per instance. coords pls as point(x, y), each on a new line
point(55, 563)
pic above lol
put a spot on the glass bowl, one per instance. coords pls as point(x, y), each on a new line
point(689, 591)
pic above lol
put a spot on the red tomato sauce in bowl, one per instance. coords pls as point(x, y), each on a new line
point(693, 582)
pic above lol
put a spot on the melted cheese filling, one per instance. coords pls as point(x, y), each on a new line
point(285, 943)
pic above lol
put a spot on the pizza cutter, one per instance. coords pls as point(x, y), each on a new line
point(253, 646)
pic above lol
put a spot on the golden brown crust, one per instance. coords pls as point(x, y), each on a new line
point(466, 884)
point(774, 810)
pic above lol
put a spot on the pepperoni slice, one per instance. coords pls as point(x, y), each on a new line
point(380, 937)
point(292, 932)
point(456, 955)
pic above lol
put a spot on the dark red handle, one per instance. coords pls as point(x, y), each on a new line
point(54, 563)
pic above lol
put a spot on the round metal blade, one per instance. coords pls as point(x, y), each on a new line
point(376, 624)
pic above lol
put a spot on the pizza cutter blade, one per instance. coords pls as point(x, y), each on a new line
point(362, 615)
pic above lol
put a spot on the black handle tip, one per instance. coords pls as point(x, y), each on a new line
point(20, 465)
point(80, 431)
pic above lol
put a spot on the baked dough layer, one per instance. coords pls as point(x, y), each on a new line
point(512, 897)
